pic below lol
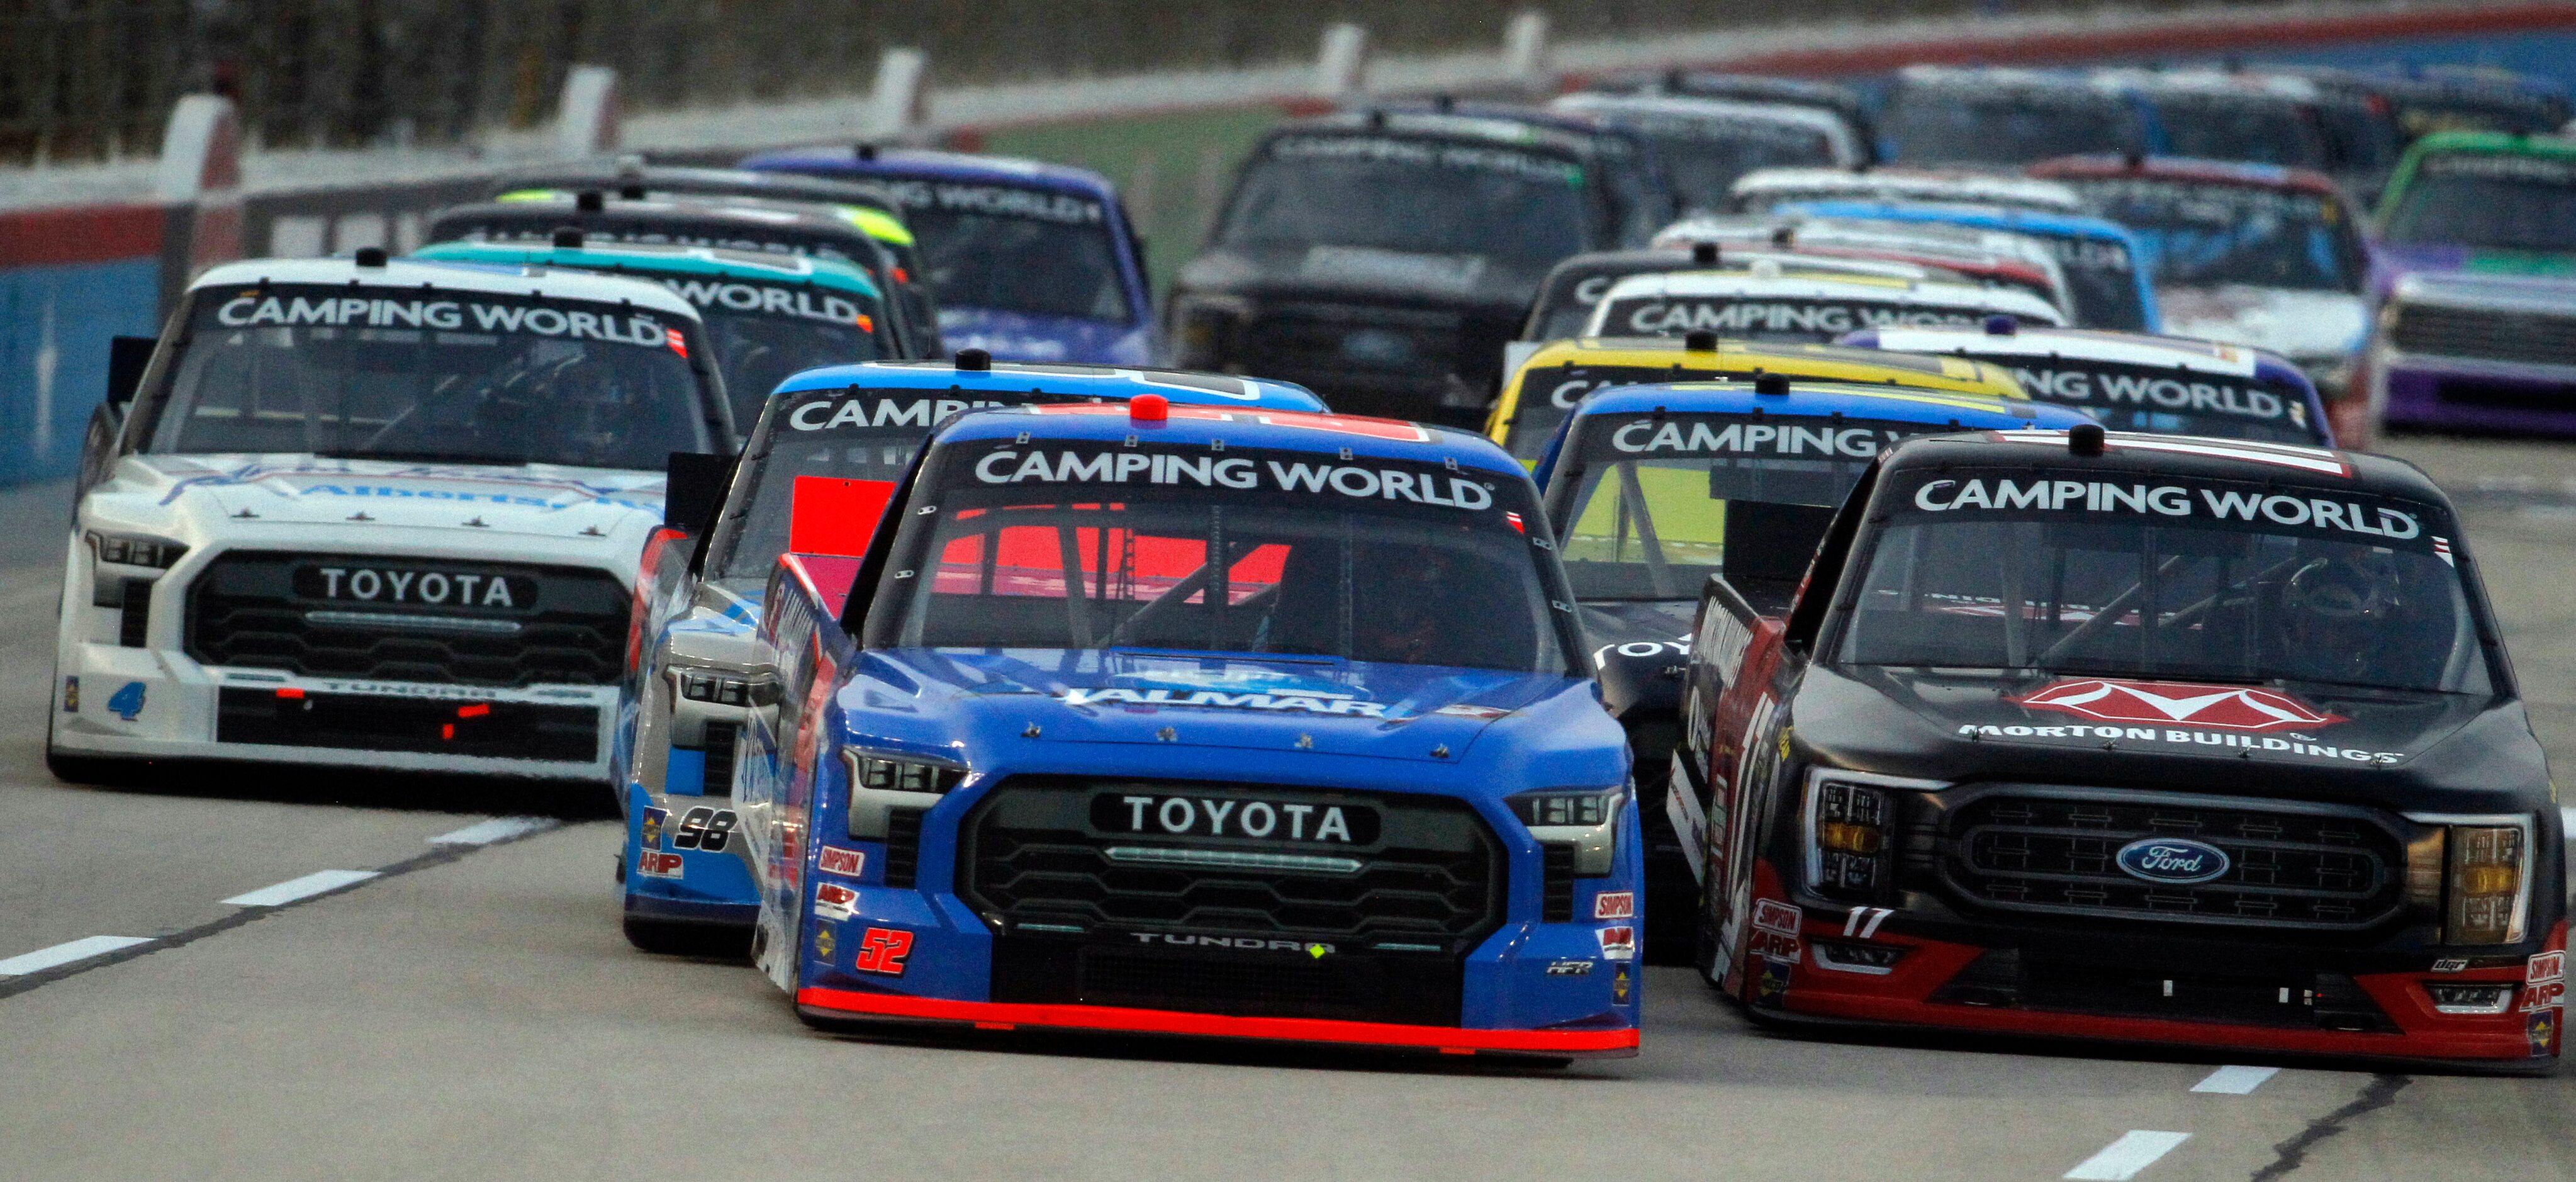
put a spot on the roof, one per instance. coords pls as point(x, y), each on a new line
point(891, 163)
point(1988, 77)
point(1099, 381)
point(667, 179)
point(2084, 344)
point(1989, 217)
point(2173, 455)
point(748, 211)
point(1825, 399)
point(416, 275)
point(1322, 434)
point(1912, 184)
point(2186, 168)
point(2248, 84)
point(1929, 240)
point(658, 259)
point(1677, 257)
point(1796, 285)
point(2492, 142)
point(1555, 133)
point(1693, 109)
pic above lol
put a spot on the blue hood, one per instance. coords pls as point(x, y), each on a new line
point(959, 701)
point(1017, 336)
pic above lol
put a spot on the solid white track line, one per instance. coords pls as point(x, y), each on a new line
point(2235, 1081)
point(65, 953)
point(496, 829)
point(2122, 1159)
point(318, 882)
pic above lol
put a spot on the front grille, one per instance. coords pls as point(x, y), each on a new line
point(903, 846)
point(1556, 882)
point(433, 726)
point(1377, 928)
point(134, 614)
point(247, 610)
point(1312, 336)
point(720, 740)
point(2055, 851)
point(2526, 337)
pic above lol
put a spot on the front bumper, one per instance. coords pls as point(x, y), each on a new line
point(1616, 1043)
point(2492, 396)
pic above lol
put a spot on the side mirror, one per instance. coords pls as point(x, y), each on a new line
point(694, 489)
point(126, 359)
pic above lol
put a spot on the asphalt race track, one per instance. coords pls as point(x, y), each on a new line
point(472, 1012)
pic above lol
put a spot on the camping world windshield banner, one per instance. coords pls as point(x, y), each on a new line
point(1773, 316)
point(2087, 384)
point(2344, 515)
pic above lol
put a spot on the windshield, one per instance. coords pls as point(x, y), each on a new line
point(1761, 317)
point(764, 332)
point(2220, 127)
point(2206, 580)
point(458, 377)
point(851, 433)
point(2101, 280)
point(1414, 196)
point(2205, 235)
point(1241, 551)
point(1005, 248)
point(1947, 125)
point(1702, 157)
point(2492, 201)
point(2162, 400)
point(1661, 502)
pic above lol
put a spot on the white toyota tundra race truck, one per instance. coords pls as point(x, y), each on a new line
point(375, 513)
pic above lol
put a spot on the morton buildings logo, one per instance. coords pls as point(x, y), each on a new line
point(2218, 707)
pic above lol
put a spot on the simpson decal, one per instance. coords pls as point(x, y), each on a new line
point(1614, 905)
point(832, 859)
point(1771, 915)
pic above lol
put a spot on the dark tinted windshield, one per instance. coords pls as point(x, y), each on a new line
point(2101, 280)
point(2160, 400)
point(2205, 580)
point(764, 333)
point(1037, 252)
point(2260, 130)
point(2492, 201)
point(403, 374)
point(2205, 234)
point(1661, 502)
point(1243, 551)
point(1953, 125)
point(1414, 196)
point(1703, 158)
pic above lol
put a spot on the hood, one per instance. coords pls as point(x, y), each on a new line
point(1639, 649)
point(531, 501)
point(1399, 712)
point(2393, 260)
point(2302, 325)
point(1366, 273)
point(2402, 751)
point(1019, 336)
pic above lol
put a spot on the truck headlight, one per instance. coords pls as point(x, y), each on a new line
point(2489, 887)
point(1585, 818)
point(1203, 328)
point(135, 550)
point(880, 784)
point(1851, 831)
point(724, 689)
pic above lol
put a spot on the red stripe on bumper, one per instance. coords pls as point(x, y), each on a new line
point(2482, 1045)
point(1132, 1021)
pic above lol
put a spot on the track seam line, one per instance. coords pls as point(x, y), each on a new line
point(2293, 1153)
point(437, 855)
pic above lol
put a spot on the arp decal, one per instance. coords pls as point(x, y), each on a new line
point(127, 701)
point(656, 823)
point(832, 859)
point(882, 951)
point(658, 864)
point(704, 829)
point(2451, 964)
point(2219, 707)
point(1614, 905)
point(834, 901)
point(1618, 943)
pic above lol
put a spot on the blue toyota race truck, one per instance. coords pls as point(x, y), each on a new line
point(828, 444)
point(1198, 721)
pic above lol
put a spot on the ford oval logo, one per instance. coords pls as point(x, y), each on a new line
point(2176, 860)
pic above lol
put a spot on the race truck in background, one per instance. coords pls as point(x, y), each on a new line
point(2477, 256)
point(767, 315)
point(1574, 287)
point(1030, 261)
point(866, 206)
point(2003, 116)
point(1768, 189)
point(2422, 100)
point(2243, 254)
point(380, 514)
point(1841, 102)
point(1769, 303)
point(1383, 257)
point(1705, 144)
point(817, 467)
point(2134, 382)
point(2262, 116)
point(1656, 490)
point(2106, 266)
point(2133, 737)
point(859, 237)
point(1196, 720)
point(1995, 258)
point(1561, 374)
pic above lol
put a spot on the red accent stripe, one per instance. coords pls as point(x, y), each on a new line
point(1447, 1039)
point(115, 233)
point(290, 693)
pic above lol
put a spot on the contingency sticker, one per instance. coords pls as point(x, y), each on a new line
point(834, 901)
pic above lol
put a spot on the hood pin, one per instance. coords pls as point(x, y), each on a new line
point(1167, 734)
point(1305, 742)
point(478, 523)
point(360, 515)
point(1030, 733)
point(1440, 752)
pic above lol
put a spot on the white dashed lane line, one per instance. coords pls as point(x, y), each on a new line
point(2235, 1081)
point(496, 829)
point(294, 889)
point(2122, 1159)
point(66, 953)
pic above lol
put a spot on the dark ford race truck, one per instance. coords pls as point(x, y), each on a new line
point(1197, 720)
point(2134, 737)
